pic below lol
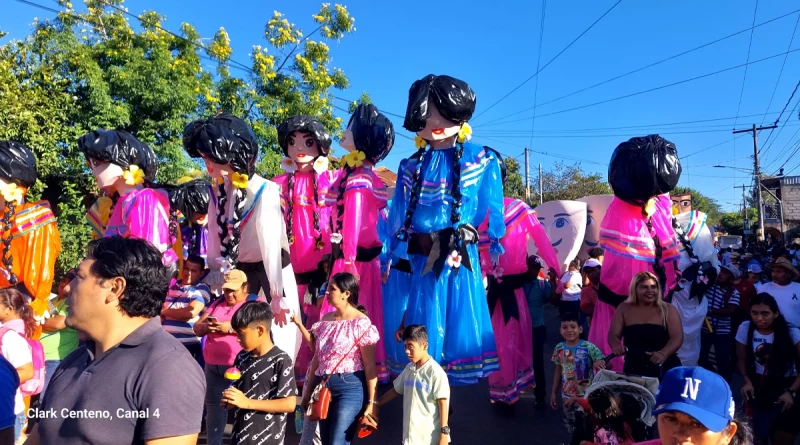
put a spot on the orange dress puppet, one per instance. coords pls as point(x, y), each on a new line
point(30, 238)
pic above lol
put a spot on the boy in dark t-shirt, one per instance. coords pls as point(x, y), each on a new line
point(266, 390)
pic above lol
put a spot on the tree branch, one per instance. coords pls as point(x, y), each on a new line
point(288, 56)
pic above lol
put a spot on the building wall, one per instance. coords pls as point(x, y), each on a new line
point(790, 194)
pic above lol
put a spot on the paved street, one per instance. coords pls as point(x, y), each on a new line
point(476, 421)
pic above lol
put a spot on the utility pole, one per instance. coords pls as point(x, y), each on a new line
point(527, 177)
point(744, 207)
point(541, 195)
point(757, 174)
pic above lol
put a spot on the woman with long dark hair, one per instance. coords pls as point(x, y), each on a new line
point(360, 194)
point(443, 193)
point(769, 357)
point(246, 231)
point(124, 169)
point(344, 356)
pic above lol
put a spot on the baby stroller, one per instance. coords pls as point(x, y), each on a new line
point(635, 397)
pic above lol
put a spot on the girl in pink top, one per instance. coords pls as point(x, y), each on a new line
point(345, 358)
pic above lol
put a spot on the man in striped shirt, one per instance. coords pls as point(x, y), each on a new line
point(723, 300)
point(185, 300)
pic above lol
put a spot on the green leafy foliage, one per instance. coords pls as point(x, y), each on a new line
point(102, 68)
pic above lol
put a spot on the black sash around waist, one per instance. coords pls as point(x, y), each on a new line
point(363, 254)
point(402, 265)
point(503, 290)
point(436, 246)
point(259, 265)
point(607, 296)
point(316, 276)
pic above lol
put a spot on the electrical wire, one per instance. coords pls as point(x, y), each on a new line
point(667, 85)
point(778, 134)
point(747, 61)
point(551, 61)
point(779, 117)
point(648, 66)
point(780, 73)
point(538, 60)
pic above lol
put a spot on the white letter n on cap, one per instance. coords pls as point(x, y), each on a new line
point(691, 388)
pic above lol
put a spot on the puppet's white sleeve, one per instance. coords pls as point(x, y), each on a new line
point(271, 235)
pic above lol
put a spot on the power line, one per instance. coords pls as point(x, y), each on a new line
point(744, 79)
point(781, 115)
point(709, 148)
point(538, 60)
point(666, 86)
point(523, 133)
point(648, 66)
point(551, 60)
point(783, 65)
point(780, 130)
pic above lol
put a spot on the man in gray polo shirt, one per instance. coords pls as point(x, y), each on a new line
point(132, 383)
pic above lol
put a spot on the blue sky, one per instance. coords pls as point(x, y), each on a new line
point(494, 46)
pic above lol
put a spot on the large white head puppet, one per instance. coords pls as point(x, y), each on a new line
point(596, 207)
point(565, 225)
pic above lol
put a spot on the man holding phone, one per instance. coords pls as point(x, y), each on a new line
point(184, 303)
point(221, 348)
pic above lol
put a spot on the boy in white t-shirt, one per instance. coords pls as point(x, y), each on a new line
point(571, 284)
point(425, 390)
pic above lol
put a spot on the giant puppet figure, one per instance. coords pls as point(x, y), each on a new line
point(596, 208)
point(30, 239)
point(246, 231)
point(565, 225)
point(122, 165)
point(699, 268)
point(305, 144)
point(191, 200)
point(436, 209)
point(637, 232)
point(511, 318)
point(356, 198)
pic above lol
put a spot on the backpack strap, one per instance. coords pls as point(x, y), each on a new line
point(3, 331)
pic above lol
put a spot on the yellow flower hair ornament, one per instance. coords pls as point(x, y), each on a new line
point(191, 175)
point(650, 207)
point(355, 158)
point(240, 180)
point(420, 143)
point(288, 165)
point(133, 175)
point(464, 133)
point(13, 192)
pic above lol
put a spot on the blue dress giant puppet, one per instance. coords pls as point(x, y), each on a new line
point(441, 198)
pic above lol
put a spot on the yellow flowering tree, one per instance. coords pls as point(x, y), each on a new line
point(290, 74)
point(97, 67)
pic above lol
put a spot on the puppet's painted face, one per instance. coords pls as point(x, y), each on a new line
point(217, 170)
point(596, 207)
point(105, 173)
point(565, 225)
point(437, 127)
point(303, 149)
point(200, 219)
point(681, 203)
point(347, 141)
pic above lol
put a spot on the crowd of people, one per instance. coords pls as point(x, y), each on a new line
point(242, 300)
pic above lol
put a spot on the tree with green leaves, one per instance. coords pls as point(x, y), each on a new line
point(702, 203)
point(95, 68)
point(570, 182)
point(514, 186)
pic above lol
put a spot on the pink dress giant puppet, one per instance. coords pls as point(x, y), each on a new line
point(356, 198)
point(306, 144)
point(122, 165)
point(511, 319)
point(637, 232)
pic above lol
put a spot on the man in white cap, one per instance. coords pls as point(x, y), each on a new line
point(785, 290)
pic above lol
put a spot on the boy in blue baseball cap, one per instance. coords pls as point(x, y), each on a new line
point(695, 405)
